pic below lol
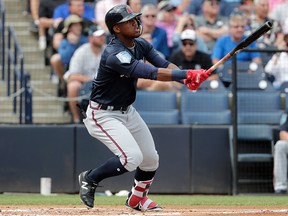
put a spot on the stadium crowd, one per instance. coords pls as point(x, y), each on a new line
point(192, 34)
point(189, 33)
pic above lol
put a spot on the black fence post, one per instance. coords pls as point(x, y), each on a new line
point(28, 99)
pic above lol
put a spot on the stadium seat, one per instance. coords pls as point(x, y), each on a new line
point(247, 79)
point(157, 107)
point(203, 108)
point(211, 86)
point(284, 87)
point(254, 156)
point(256, 107)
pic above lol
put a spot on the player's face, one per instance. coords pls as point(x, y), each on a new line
point(130, 28)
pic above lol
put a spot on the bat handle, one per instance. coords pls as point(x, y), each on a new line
point(220, 62)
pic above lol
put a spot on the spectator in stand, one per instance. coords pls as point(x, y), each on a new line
point(227, 7)
point(210, 25)
point(188, 57)
point(73, 38)
point(195, 7)
point(83, 67)
point(186, 21)
point(135, 5)
point(76, 7)
point(280, 158)
point(46, 10)
point(280, 12)
point(34, 10)
point(277, 65)
point(273, 4)
point(159, 35)
point(181, 6)
point(227, 42)
point(273, 37)
point(259, 18)
point(167, 19)
point(102, 8)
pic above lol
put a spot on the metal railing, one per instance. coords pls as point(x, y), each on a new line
point(21, 79)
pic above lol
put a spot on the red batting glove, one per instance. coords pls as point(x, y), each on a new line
point(194, 78)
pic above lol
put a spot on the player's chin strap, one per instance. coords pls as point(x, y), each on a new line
point(138, 192)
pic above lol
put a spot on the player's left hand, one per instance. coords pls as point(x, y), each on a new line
point(194, 78)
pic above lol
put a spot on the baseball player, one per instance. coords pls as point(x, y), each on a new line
point(113, 120)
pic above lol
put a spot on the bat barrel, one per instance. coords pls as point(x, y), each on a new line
point(253, 37)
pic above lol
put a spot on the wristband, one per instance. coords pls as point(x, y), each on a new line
point(178, 75)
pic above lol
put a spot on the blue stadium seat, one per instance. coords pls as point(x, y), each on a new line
point(157, 107)
point(211, 86)
point(284, 88)
point(262, 134)
point(205, 108)
point(246, 78)
point(254, 156)
point(256, 107)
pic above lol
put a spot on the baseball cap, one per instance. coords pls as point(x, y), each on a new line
point(188, 34)
point(165, 6)
point(96, 31)
point(71, 20)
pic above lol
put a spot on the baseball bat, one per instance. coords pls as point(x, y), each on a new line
point(243, 44)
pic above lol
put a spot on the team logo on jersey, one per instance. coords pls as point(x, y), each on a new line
point(124, 57)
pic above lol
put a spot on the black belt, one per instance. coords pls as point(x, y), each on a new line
point(113, 108)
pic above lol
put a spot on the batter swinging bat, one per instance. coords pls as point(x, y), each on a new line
point(246, 42)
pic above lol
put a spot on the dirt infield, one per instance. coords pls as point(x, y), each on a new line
point(121, 210)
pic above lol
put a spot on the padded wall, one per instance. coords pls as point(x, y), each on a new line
point(31, 152)
point(210, 160)
point(192, 159)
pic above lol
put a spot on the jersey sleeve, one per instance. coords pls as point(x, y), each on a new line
point(124, 63)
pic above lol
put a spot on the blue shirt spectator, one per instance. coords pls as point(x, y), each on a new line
point(159, 41)
point(195, 7)
point(228, 42)
point(62, 11)
point(225, 44)
point(66, 49)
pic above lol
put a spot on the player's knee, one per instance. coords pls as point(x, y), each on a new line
point(150, 163)
point(134, 160)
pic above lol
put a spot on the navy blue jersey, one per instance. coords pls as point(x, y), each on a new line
point(120, 67)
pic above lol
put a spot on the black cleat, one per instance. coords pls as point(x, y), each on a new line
point(87, 190)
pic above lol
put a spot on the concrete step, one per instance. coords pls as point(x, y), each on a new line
point(38, 118)
point(47, 107)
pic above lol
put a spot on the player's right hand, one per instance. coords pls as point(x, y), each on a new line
point(194, 78)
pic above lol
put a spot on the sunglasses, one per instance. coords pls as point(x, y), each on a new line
point(147, 16)
point(188, 43)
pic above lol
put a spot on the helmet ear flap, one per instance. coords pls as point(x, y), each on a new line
point(139, 24)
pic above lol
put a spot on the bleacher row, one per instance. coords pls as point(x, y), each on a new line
point(210, 108)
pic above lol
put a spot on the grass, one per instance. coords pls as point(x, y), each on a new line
point(183, 200)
